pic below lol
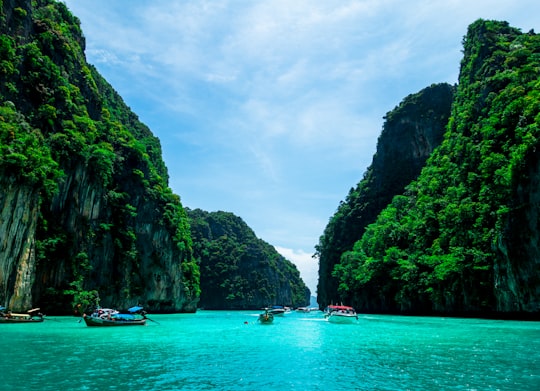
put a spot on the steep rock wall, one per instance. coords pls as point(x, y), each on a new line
point(411, 131)
point(88, 213)
point(18, 219)
point(463, 239)
point(516, 270)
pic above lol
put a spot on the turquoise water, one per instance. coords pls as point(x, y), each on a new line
point(219, 350)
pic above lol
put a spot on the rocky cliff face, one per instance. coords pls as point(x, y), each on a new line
point(517, 265)
point(410, 134)
point(118, 242)
point(85, 207)
point(507, 92)
point(18, 221)
point(463, 238)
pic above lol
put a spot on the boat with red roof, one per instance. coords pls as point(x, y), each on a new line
point(340, 314)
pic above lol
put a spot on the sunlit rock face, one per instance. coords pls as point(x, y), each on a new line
point(18, 219)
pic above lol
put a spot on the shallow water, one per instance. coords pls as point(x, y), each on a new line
point(220, 350)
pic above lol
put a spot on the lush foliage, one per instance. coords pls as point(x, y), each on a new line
point(61, 122)
point(410, 133)
point(22, 152)
point(434, 249)
point(238, 270)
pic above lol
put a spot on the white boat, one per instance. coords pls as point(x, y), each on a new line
point(277, 310)
point(340, 314)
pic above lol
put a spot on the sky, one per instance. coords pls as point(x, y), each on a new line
point(271, 109)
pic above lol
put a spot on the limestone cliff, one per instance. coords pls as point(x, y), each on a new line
point(411, 132)
point(517, 268)
point(18, 220)
point(86, 210)
point(463, 237)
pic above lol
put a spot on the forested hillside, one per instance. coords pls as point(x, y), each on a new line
point(410, 134)
point(86, 211)
point(238, 270)
point(463, 238)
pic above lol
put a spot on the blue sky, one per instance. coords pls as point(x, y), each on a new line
point(271, 109)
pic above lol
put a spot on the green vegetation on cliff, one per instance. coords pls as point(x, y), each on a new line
point(463, 238)
point(410, 133)
point(238, 270)
point(66, 134)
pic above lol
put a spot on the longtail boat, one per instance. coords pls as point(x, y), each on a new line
point(106, 317)
point(32, 316)
point(266, 317)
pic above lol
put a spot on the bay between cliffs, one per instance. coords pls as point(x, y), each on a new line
point(229, 350)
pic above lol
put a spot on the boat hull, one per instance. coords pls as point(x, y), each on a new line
point(342, 318)
point(340, 314)
point(8, 320)
point(98, 322)
point(266, 318)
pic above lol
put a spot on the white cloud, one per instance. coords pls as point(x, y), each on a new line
point(306, 264)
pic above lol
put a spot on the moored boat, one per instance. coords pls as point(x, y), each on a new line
point(106, 317)
point(277, 310)
point(340, 314)
point(32, 316)
point(266, 317)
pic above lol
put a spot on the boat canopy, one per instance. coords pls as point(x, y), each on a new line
point(123, 316)
point(19, 315)
point(137, 308)
point(339, 307)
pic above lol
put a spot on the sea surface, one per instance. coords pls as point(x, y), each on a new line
point(222, 350)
